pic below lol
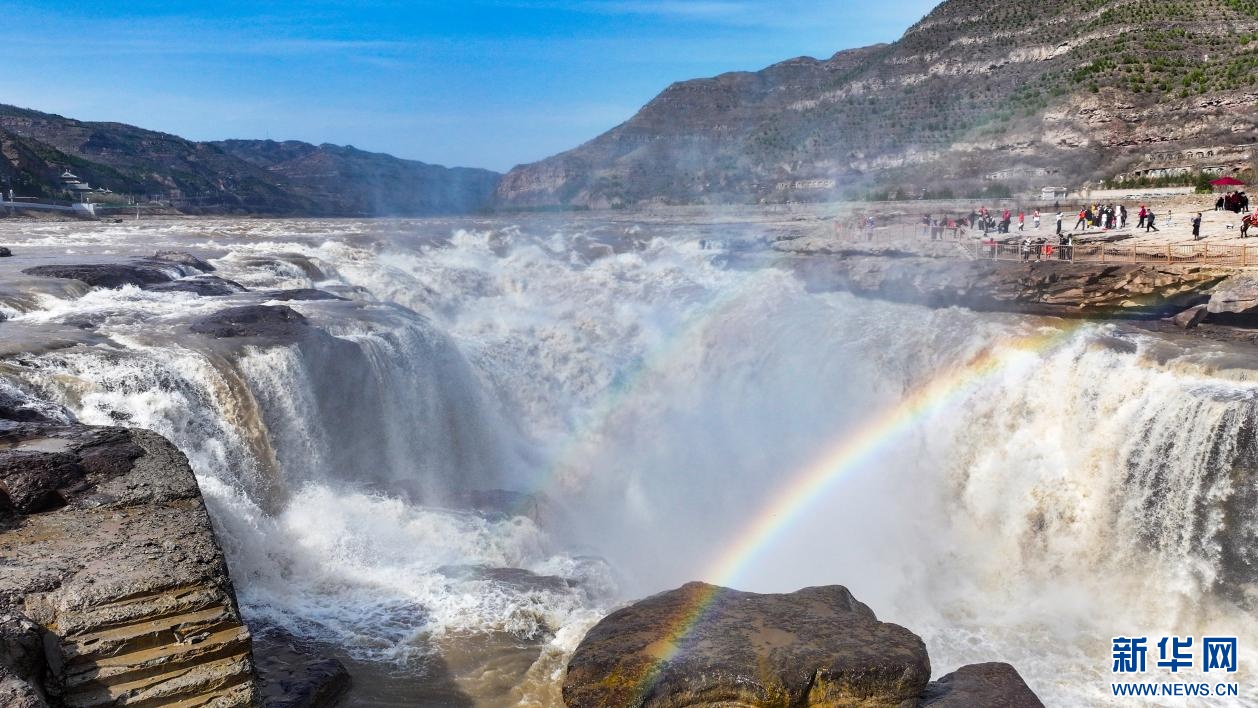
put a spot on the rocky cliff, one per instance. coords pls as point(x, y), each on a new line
point(114, 590)
point(1056, 288)
point(264, 177)
point(979, 95)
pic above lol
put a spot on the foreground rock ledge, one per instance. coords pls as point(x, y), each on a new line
point(113, 590)
point(816, 647)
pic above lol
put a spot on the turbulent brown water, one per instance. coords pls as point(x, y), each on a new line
point(518, 424)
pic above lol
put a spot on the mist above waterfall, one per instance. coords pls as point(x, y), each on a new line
point(506, 428)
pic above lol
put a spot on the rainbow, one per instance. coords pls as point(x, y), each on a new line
point(849, 453)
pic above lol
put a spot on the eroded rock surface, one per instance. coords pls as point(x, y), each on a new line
point(815, 647)
point(272, 321)
point(1047, 287)
point(1238, 295)
point(109, 555)
point(981, 685)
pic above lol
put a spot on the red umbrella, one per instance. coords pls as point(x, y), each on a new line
point(1227, 182)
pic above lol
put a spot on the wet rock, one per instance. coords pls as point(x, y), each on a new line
point(203, 285)
point(1190, 318)
point(294, 675)
point(14, 406)
point(274, 321)
point(124, 580)
point(5, 252)
point(981, 685)
point(818, 647)
point(302, 294)
point(106, 275)
point(183, 259)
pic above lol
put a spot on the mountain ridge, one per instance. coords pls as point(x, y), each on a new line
point(290, 178)
point(978, 94)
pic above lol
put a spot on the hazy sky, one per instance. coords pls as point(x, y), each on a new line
point(486, 83)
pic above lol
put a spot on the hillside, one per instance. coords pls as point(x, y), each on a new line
point(980, 95)
point(351, 181)
point(260, 177)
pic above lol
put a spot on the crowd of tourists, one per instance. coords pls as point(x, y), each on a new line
point(1235, 202)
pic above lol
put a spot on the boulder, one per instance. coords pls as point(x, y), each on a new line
point(704, 645)
point(122, 575)
point(294, 675)
point(273, 321)
point(302, 294)
point(981, 685)
point(183, 259)
point(1238, 295)
point(5, 252)
point(106, 275)
point(203, 285)
point(1190, 318)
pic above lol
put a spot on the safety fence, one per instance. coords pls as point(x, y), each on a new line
point(1212, 254)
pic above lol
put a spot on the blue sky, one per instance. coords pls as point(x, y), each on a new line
point(486, 83)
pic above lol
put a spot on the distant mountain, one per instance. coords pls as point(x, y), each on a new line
point(981, 94)
point(260, 177)
point(351, 181)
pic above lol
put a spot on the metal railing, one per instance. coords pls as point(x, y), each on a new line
point(1206, 254)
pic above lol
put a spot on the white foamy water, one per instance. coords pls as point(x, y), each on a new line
point(499, 439)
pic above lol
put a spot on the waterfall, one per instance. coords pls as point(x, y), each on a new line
point(495, 436)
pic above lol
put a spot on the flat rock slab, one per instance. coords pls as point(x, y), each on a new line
point(980, 685)
point(707, 646)
point(106, 275)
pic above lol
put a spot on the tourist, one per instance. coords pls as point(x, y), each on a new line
point(1219, 204)
point(1196, 228)
point(1144, 216)
point(1148, 222)
point(1122, 216)
point(1060, 215)
point(1021, 221)
point(1006, 218)
point(1083, 219)
point(1036, 218)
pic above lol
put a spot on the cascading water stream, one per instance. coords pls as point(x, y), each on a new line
point(496, 439)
